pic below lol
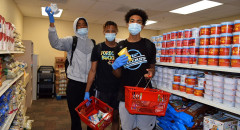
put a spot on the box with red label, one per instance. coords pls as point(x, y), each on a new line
point(219, 122)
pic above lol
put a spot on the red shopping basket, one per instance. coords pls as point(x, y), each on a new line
point(146, 101)
point(85, 111)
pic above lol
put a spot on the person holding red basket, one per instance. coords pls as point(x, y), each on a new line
point(131, 71)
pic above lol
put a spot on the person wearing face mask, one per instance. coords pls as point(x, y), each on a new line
point(138, 71)
point(101, 70)
point(77, 71)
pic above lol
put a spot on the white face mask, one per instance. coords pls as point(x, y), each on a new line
point(82, 31)
point(134, 28)
point(110, 36)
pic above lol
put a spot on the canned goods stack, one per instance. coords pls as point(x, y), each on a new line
point(212, 45)
point(223, 89)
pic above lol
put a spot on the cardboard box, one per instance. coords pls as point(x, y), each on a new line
point(59, 65)
point(219, 122)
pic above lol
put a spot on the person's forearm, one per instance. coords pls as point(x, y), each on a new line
point(91, 77)
point(117, 73)
point(52, 25)
point(152, 67)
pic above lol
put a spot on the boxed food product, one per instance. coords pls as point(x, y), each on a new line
point(219, 122)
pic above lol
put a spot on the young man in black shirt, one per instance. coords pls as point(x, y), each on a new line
point(107, 84)
point(143, 54)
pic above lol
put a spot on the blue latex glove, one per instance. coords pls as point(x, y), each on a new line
point(86, 97)
point(50, 14)
point(120, 61)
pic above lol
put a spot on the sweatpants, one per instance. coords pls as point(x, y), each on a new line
point(75, 95)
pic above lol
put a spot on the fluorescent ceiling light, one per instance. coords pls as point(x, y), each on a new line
point(150, 22)
point(55, 15)
point(198, 6)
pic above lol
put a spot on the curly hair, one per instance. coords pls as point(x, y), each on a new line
point(108, 23)
point(138, 12)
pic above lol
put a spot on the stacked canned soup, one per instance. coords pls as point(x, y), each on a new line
point(212, 45)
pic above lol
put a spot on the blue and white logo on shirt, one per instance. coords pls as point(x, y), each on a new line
point(137, 60)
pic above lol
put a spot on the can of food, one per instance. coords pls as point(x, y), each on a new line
point(169, 36)
point(166, 51)
point(173, 43)
point(183, 79)
point(179, 42)
point(225, 50)
point(235, 61)
point(195, 32)
point(191, 80)
point(226, 39)
point(171, 59)
point(178, 59)
point(163, 51)
point(204, 40)
point(162, 58)
point(198, 91)
point(187, 33)
point(215, 29)
point(168, 44)
point(189, 89)
point(185, 59)
point(186, 41)
point(193, 59)
point(214, 40)
point(164, 44)
point(213, 50)
point(205, 30)
point(236, 26)
point(185, 50)
point(226, 27)
point(180, 33)
point(174, 35)
point(236, 38)
point(179, 51)
point(224, 61)
point(172, 51)
point(175, 85)
point(177, 77)
point(213, 60)
point(203, 50)
point(236, 49)
point(182, 87)
point(164, 36)
point(194, 41)
point(202, 60)
point(201, 82)
point(193, 50)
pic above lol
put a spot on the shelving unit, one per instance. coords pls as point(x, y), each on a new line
point(204, 101)
point(8, 83)
point(10, 52)
point(201, 67)
point(9, 119)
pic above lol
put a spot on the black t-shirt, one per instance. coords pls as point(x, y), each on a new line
point(105, 80)
point(143, 54)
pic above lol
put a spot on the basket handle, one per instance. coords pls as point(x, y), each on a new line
point(146, 84)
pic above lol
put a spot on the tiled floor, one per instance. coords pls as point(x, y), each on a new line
point(51, 114)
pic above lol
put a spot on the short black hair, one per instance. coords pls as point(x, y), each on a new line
point(138, 12)
point(83, 20)
point(108, 23)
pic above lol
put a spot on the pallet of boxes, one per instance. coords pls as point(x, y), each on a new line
point(61, 78)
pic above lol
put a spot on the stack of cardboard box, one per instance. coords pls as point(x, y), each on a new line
point(61, 78)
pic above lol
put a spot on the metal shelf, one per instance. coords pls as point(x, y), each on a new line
point(202, 67)
point(8, 83)
point(204, 101)
point(9, 119)
point(10, 52)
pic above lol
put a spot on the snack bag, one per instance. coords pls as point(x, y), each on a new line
point(125, 51)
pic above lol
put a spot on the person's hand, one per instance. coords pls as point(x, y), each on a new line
point(120, 61)
point(50, 14)
point(86, 97)
point(149, 75)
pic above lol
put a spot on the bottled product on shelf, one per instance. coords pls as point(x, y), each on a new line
point(209, 44)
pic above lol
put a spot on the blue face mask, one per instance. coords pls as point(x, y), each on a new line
point(110, 36)
point(134, 28)
point(82, 31)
